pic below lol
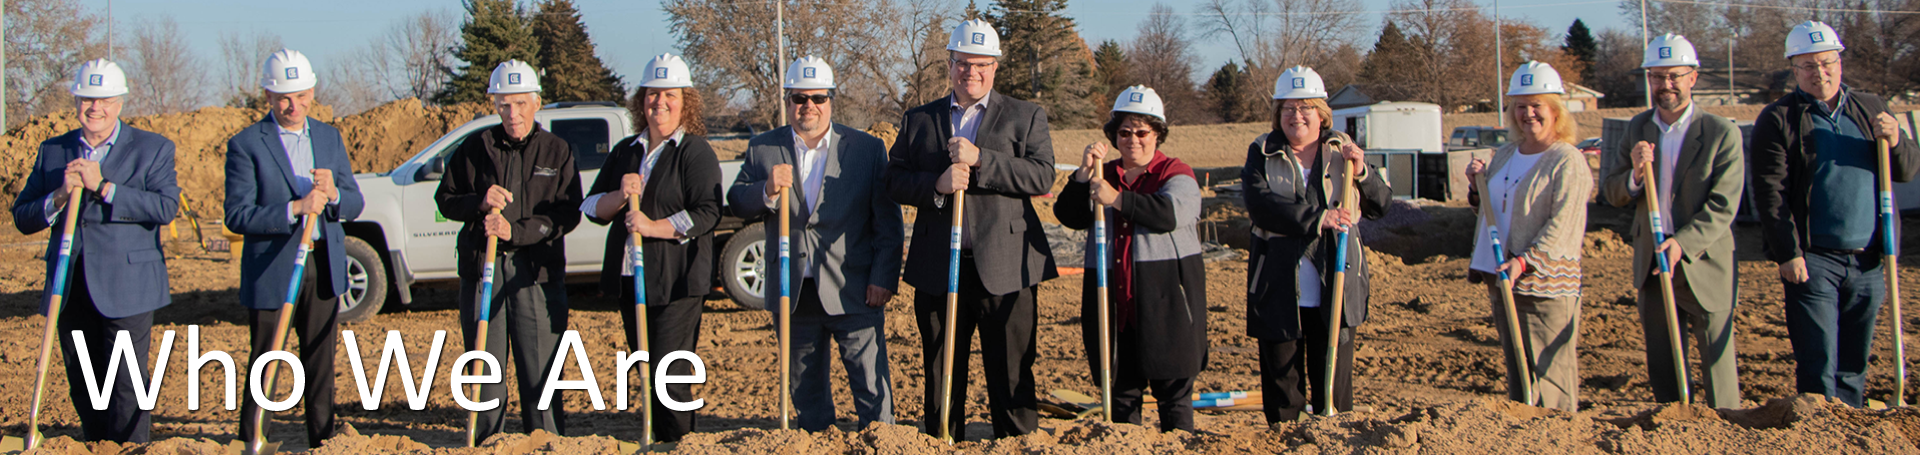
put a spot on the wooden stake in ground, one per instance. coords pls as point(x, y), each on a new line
point(953, 308)
point(259, 444)
point(1106, 324)
point(58, 287)
point(786, 316)
point(1518, 338)
point(1347, 198)
point(1664, 273)
point(1891, 263)
point(485, 308)
point(639, 255)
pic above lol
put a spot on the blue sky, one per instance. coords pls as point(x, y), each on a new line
point(628, 32)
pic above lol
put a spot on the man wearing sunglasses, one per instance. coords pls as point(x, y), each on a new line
point(845, 245)
point(1699, 175)
point(1814, 166)
point(997, 153)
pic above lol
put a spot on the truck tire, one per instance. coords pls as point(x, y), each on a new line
point(366, 282)
point(743, 266)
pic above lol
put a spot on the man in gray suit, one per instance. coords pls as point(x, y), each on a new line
point(118, 276)
point(1697, 164)
point(999, 152)
point(845, 244)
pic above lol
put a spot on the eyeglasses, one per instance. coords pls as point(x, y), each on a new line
point(1140, 134)
point(972, 67)
point(1669, 77)
point(1817, 65)
point(802, 99)
point(1297, 110)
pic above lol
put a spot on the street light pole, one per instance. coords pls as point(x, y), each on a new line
point(780, 42)
point(1499, 65)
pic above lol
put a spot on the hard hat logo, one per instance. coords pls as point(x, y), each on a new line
point(293, 73)
point(96, 80)
point(1135, 97)
point(1299, 82)
point(1526, 80)
point(1817, 37)
point(659, 73)
point(980, 39)
point(1666, 52)
point(513, 78)
point(809, 73)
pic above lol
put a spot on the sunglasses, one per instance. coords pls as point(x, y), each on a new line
point(802, 99)
point(1138, 134)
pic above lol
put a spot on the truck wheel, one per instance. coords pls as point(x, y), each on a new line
point(366, 282)
point(743, 266)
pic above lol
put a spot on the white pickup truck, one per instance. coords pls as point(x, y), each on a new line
point(401, 238)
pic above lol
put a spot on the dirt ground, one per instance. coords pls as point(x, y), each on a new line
point(1427, 363)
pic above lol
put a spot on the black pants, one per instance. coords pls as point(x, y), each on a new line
point(315, 320)
point(671, 326)
point(1282, 363)
point(1007, 350)
point(525, 321)
point(1175, 397)
point(122, 420)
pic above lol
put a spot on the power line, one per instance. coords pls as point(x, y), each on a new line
point(1786, 7)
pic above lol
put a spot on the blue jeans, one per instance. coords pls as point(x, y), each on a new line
point(1830, 321)
point(863, 352)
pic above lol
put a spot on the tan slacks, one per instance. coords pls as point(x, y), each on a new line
point(1552, 328)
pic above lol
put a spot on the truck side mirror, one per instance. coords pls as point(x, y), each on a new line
point(432, 170)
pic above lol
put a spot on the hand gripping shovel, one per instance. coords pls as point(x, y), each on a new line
point(1106, 323)
point(953, 309)
point(258, 444)
point(58, 287)
point(1347, 199)
point(1665, 275)
point(639, 256)
point(1517, 347)
point(1892, 266)
point(485, 308)
point(786, 317)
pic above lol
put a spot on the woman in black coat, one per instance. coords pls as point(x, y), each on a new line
point(1289, 183)
point(673, 170)
point(1158, 290)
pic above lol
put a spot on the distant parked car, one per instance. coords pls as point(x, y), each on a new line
point(1472, 137)
point(1591, 146)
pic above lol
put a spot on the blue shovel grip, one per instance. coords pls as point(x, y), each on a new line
point(1100, 251)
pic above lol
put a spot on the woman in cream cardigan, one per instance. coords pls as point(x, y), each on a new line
point(1535, 191)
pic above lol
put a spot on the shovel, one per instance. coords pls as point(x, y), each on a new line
point(1892, 266)
point(480, 336)
point(1347, 197)
point(953, 310)
point(1518, 348)
point(258, 445)
point(786, 318)
point(1106, 327)
point(59, 291)
point(1665, 275)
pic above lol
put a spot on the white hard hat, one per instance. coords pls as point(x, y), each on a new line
point(1670, 50)
point(287, 71)
point(975, 37)
point(1139, 99)
point(667, 71)
point(99, 79)
point(1297, 83)
point(1810, 37)
point(809, 72)
point(513, 76)
point(1535, 78)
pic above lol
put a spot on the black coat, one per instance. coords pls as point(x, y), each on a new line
point(686, 177)
point(546, 198)
point(1167, 338)
point(1290, 218)
point(1780, 161)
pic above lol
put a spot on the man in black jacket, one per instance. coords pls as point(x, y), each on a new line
point(998, 151)
point(1814, 162)
point(528, 175)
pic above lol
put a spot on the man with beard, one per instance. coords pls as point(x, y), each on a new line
point(1698, 174)
point(1814, 170)
point(846, 244)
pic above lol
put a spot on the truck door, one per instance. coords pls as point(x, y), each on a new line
point(592, 141)
point(430, 243)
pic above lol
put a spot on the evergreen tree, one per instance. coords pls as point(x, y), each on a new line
point(972, 12)
point(1045, 61)
point(1582, 47)
point(1226, 93)
point(573, 72)
point(495, 31)
point(1113, 67)
point(1393, 59)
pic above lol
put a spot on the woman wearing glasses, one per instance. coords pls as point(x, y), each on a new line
point(1157, 294)
point(1294, 192)
point(1535, 193)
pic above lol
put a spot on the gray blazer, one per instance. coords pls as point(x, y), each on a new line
point(1016, 164)
point(853, 232)
point(1708, 178)
point(117, 244)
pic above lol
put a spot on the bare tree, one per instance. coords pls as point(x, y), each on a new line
point(1161, 57)
point(1450, 45)
point(358, 79)
point(46, 41)
point(1272, 35)
point(165, 75)
point(1241, 23)
point(240, 60)
point(423, 44)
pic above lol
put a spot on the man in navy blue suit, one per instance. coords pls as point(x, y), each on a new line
point(278, 170)
point(118, 275)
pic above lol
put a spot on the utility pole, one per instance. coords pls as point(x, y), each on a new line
point(1499, 65)
point(780, 42)
point(110, 50)
point(1643, 47)
point(3, 68)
